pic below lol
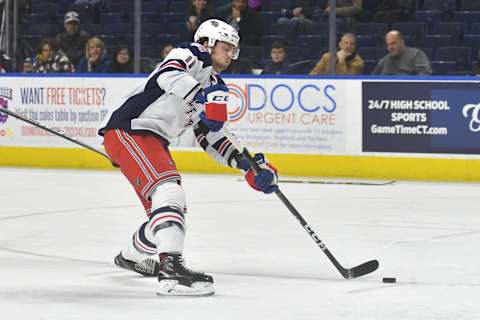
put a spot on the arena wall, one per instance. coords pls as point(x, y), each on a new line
point(356, 127)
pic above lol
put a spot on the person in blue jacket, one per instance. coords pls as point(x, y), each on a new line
point(96, 58)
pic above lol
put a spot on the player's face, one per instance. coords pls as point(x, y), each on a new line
point(222, 54)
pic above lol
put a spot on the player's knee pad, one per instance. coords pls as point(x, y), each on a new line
point(168, 207)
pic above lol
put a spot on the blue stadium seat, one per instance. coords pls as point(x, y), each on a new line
point(435, 41)
point(152, 52)
point(156, 7)
point(428, 16)
point(461, 55)
point(269, 17)
point(415, 30)
point(92, 28)
point(120, 7)
point(295, 53)
point(149, 17)
point(281, 29)
point(472, 41)
point(45, 8)
point(369, 65)
point(372, 53)
point(323, 28)
point(455, 29)
point(34, 18)
point(252, 53)
point(278, 5)
point(442, 5)
point(428, 52)
point(118, 29)
point(315, 55)
point(152, 28)
point(173, 17)
point(42, 30)
point(179, 6)
point(176, 28)
point(174, 39)
point(111, 17)
point(368, 41)
point(475, 28)
point(470, 5)
point(313, 43)
point(469, 17)
point(443, 68)
point(372, 29)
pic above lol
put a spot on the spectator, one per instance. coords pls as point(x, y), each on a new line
point(299, 15)
point(279, 63)
point(402, 60)
point(122, 61)
point(73, 40)
point(255, 4)
point(27, 66)
point(50, 60)
point(166, 50)
point(246, 21)
point(5, 62)
point(96, 57)
point(346, 10)
point(199, 11)
point(348, 61)
point(394, 10)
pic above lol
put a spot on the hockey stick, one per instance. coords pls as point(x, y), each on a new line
point(64, 136)
point(351, 273)
point(354, 183)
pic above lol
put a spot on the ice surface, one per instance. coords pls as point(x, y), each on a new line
point(60, 230)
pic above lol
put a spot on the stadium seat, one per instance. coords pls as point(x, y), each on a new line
point(172, 17)
point(441, 5)
point(252, 53)
point(44, 8)
point(469, 17)
point(470, 5)
point(179, 6)
point(375, 30)
point(455, 29)
point(42, 30)
point(472, 41)
point(295, 53)
point(269, 17)
point(475, 28)
point(176, 28)
point(156, 7)
point(443, 68)
point(415, 30)
point(372, 53)
point(117, 29)
point(152, 28)
point(428, 52)
point(92, 28)
point(302, 67)
point(311, 42)
point(281, 29)
point(111, 17)
point(278, 5)
point(461, 55)
point(435, 41)
point(428, 16)
point(369, 65)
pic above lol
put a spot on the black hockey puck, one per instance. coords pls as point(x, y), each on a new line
point(389, 280)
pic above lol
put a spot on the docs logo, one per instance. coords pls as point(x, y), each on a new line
point(5, 96)
point(475, 114)
point(238, 103)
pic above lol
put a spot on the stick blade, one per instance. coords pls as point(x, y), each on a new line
point(361, 270)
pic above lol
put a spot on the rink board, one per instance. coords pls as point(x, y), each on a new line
point(439, 169)
point(361, 127)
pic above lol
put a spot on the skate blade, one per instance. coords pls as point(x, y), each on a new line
point(197, 289)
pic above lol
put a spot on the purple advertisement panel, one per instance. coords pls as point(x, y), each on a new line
point(421, 117)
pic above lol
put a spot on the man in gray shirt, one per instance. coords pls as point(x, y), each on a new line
point(402, 60)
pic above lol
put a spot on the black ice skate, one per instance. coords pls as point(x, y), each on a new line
point(147, 268)
point(177, 280)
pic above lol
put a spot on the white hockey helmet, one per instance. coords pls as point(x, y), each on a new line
point(217, 30)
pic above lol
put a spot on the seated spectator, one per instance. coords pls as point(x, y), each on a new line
point(199, 11)
point(5, 62)
point(348, 61)
point(51, 60)
point(389, 11)
point(402, 60)
point(299, 15)
point(165, 51)
point(122, 61)
point(96, 57)
point(27, 66)
point(346, 10)
point(279, 63)
point(73, 40)
point(245, 20)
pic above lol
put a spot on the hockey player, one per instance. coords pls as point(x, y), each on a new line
point(183, 92)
